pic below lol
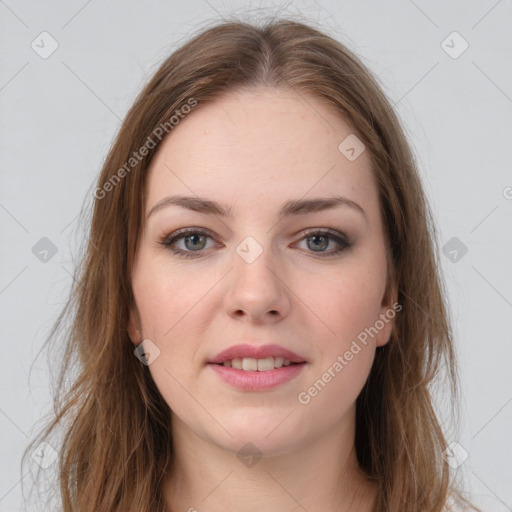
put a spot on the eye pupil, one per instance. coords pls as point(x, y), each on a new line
point(322, 245)
point(194, 236)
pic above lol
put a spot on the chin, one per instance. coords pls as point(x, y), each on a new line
point(255, 444)
point(270, 437)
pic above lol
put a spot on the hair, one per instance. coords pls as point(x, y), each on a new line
point(117, 442)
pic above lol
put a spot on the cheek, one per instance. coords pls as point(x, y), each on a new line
point(332, 392)
point(165, 296)
point(345, 303)
point(171, 313)
point(347, 307)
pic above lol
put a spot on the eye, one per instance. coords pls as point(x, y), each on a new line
point(195, 241)
point(320, 239)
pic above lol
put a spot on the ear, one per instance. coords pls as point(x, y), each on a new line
point(134, 326)
point(389, 309)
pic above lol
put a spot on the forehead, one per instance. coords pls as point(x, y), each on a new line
point(259, 148)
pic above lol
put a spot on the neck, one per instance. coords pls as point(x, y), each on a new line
point(321, 475)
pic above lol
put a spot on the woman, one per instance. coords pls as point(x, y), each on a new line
point(259, 314)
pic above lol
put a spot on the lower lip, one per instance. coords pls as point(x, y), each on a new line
point(257, 381)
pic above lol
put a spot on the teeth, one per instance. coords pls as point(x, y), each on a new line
point(265, 364)
point(248, 363)
point(261, 365)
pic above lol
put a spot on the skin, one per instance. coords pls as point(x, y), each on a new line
point(255, 150)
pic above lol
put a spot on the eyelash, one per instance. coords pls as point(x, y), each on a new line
point(169, 240)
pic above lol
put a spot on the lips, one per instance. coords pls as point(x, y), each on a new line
point(251, 368)
point(245, 351)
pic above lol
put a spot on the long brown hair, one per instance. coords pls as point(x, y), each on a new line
point(116, 442)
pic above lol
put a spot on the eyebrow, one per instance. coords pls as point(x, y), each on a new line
point(292, 207)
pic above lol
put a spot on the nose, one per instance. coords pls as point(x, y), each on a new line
point(258, 290)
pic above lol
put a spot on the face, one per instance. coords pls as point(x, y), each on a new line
point(311, 281)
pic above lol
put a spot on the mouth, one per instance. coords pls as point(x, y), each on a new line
point(257, 375)
point(250, 364)
point(252, 357)
point(252, 367)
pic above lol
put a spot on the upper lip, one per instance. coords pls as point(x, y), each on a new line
point(256, 352)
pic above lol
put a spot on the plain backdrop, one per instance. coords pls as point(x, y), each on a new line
point(446, 66)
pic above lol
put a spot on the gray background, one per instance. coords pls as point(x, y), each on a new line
point(59, 115)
